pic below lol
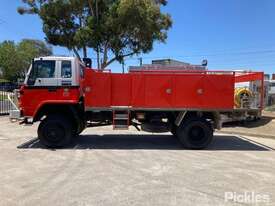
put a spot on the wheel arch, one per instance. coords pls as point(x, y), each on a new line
point(212, 116)
point(73, 111)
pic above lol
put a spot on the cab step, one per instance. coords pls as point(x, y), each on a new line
point(121, 119)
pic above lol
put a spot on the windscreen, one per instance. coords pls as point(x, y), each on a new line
point(41, 69)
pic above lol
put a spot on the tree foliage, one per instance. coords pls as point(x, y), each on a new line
point(113, 29)
point(28, 49)
point(9, 61)
point(16, 58)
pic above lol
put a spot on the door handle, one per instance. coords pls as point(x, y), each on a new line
point(200, 91)
point(169, 91)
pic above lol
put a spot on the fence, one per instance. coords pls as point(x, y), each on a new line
point(5, 104)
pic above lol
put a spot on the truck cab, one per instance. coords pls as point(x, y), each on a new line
point(54, 71)
point(51, 80)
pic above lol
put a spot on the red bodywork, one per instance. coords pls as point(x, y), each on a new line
point(150, 90)
point(32, 98)
point(198, 90)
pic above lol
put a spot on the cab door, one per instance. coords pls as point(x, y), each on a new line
point(43, 74)
point(40, 85)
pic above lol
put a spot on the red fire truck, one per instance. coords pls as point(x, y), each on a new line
point(65, 95)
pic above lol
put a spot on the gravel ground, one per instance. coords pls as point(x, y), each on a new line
point(265, 127)
point(105, 167)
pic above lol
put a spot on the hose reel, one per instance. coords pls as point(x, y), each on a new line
point(242, 98)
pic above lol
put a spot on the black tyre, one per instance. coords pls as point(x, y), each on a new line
point(81, 127)
point(173, 130)
point(195, 133)
point(55, 131)
point(78, 129)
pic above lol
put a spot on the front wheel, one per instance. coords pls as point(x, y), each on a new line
point(55, 131)
point(195, 133)
point(173, 130)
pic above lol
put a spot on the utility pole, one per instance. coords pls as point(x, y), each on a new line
point(123, 69)
point(140, 61)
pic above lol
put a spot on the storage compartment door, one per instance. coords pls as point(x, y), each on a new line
point(188, 91)
point(158, 91)
point(98, 90)
point(218, 91)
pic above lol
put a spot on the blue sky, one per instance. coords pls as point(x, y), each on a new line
point(231, 34)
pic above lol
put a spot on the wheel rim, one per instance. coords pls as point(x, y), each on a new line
point(54, 133)
point(197, 135)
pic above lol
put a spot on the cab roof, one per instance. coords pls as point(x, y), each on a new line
point(56, 58)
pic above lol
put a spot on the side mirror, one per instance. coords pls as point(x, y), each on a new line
point(204, 62)
point(87, 62)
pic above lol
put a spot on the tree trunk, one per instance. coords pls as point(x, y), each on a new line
point(76, 53)
point(98, 58)
point(84, 51)
point(105, 57)
point(114, 59)
point(91, 7)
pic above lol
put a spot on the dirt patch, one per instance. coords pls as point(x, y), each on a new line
point(265, 127)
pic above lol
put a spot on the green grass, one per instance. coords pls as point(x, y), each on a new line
point(4, 80)
point(3, 97)
point(270, 108)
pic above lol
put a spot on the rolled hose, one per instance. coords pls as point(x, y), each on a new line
point(240, 93)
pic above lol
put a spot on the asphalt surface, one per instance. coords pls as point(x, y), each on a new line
point(105, 167)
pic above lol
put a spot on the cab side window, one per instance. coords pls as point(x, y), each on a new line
point(66, 69)
point(44, 69)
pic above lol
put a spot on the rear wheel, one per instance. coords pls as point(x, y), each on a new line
point(55, 131)
point(195, 133)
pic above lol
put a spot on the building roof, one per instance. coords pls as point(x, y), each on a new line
point(167, 64)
